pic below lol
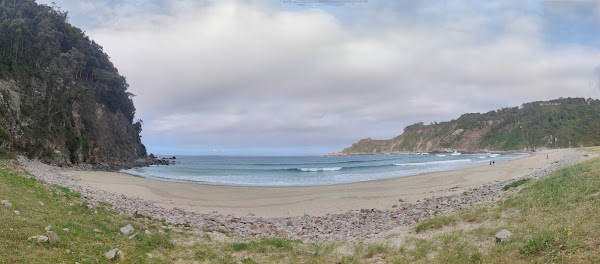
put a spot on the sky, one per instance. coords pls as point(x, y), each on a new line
point(288, 77)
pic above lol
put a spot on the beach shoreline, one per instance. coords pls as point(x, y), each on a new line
point(355, 211)
point(312, 200)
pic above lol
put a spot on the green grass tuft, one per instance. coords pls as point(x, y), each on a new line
point(515, 184)
point(436, 223)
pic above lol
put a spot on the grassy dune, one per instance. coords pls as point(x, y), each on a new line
point(554, 220)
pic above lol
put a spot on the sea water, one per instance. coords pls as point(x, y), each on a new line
point(309, 170)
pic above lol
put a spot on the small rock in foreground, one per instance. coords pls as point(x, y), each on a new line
point(52, 237)
point(114, 254)
point(17, 212)
point(127, 229)
point(6, 203)
point(41, 203)
point(503, 236)
point(96, 230)
point(39, 239)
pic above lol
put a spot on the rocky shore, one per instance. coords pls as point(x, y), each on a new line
point(352, 225)
point(141, 162)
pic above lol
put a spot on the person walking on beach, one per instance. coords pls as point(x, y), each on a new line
point(493, 162)
point(490, 163)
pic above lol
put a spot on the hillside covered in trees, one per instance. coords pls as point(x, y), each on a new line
point(61, 98)
point(561, 123)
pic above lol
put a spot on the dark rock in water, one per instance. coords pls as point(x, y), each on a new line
point(151, 156)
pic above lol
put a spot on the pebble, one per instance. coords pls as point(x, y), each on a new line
point(503, 236)
point(17, 212)
point(52, 237)
point(41, 203)
point(39, 239)
point(6, 203)
point(147, 232)
point(113, 254)
point(127, 229)
point(351, 225)
point(48, 228)
point(66, 229)
point(96, 230)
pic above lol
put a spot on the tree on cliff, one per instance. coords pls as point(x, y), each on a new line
point(62, 76)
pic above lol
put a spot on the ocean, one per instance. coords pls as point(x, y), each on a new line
point(283, 171)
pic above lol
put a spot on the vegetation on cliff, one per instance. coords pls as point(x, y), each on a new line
point(61, 98)
point(560, 123)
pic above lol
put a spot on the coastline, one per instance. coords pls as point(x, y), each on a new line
point(366, 218)
point(312, 200)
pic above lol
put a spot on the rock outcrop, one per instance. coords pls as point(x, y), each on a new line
point(61, 98)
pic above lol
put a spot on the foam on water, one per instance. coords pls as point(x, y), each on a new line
point(320, 169)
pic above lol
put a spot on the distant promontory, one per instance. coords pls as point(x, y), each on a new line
point(560, 123)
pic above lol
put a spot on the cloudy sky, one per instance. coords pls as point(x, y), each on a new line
point(277, 78)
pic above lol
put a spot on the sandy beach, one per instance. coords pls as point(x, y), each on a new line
point(315, 200)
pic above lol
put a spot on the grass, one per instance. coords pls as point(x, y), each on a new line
point(515, 184)
point(554, 220)
point(63, 208)
point(436, 223)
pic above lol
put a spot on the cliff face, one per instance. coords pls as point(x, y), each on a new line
point(561, 123)
point(81, 130)
point(61, 99)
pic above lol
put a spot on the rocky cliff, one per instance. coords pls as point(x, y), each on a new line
point(561, 123)
point(61, 99)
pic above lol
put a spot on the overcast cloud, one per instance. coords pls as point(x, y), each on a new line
point(252, 77)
